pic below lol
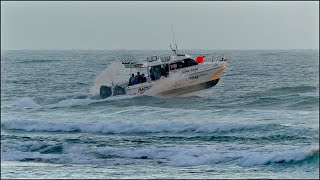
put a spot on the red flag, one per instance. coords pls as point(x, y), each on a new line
point(200, 59)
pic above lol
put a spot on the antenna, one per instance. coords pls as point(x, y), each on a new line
point(175, 43)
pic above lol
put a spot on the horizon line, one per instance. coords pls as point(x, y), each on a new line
point(152, 49)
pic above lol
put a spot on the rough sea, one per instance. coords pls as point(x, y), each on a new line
point(260, 121)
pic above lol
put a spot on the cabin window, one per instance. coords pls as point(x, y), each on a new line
point(189, 62)
point(179, 65)
point(155, 72)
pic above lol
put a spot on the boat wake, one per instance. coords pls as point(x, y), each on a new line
point(60, 102)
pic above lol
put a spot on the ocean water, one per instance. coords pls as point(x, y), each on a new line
point(260, 121)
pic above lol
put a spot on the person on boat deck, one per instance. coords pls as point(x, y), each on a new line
point(173, 66)
point(143, 79)
point(132, 80)
point(165, 70)
point(162, 72)
point(158, 71)
point(139, 77)
point(152, 74)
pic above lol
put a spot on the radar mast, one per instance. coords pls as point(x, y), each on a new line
point(174, 49)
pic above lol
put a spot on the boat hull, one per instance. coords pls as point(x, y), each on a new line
point(181, 81)
point(190, 89)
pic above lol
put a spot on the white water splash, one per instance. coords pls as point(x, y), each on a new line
point(84, 102)
point(26, 102)
point(115, 73)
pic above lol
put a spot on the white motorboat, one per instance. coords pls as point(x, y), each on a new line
point(171, 75)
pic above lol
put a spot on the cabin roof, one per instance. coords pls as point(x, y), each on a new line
point(154, 61)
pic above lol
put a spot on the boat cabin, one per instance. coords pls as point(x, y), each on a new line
point(158, 66)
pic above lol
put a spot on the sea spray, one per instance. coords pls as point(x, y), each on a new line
point(26, 102)
point(115, 73)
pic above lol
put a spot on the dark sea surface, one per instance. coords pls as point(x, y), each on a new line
point(260, 121)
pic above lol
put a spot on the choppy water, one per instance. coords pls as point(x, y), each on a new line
point(260, 121)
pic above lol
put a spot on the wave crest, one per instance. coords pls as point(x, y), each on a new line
point(130, 128)
point(294, 156)
point(184, 155)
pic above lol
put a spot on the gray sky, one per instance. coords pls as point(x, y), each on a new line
point(146, 25)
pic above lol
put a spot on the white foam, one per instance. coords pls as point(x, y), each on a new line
point(174, 156)
point(183, 155)
point(22, 145)
point(125, 128)
point(26, 102)
point(279, 156)
point(85, 102)
point(225, 127)
point(18, 155)
point(72, 102)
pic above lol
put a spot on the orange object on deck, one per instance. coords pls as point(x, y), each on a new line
point(200, 59)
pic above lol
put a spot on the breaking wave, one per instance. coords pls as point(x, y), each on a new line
point(131, 128)
point(184, 155)
point(292, 156)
